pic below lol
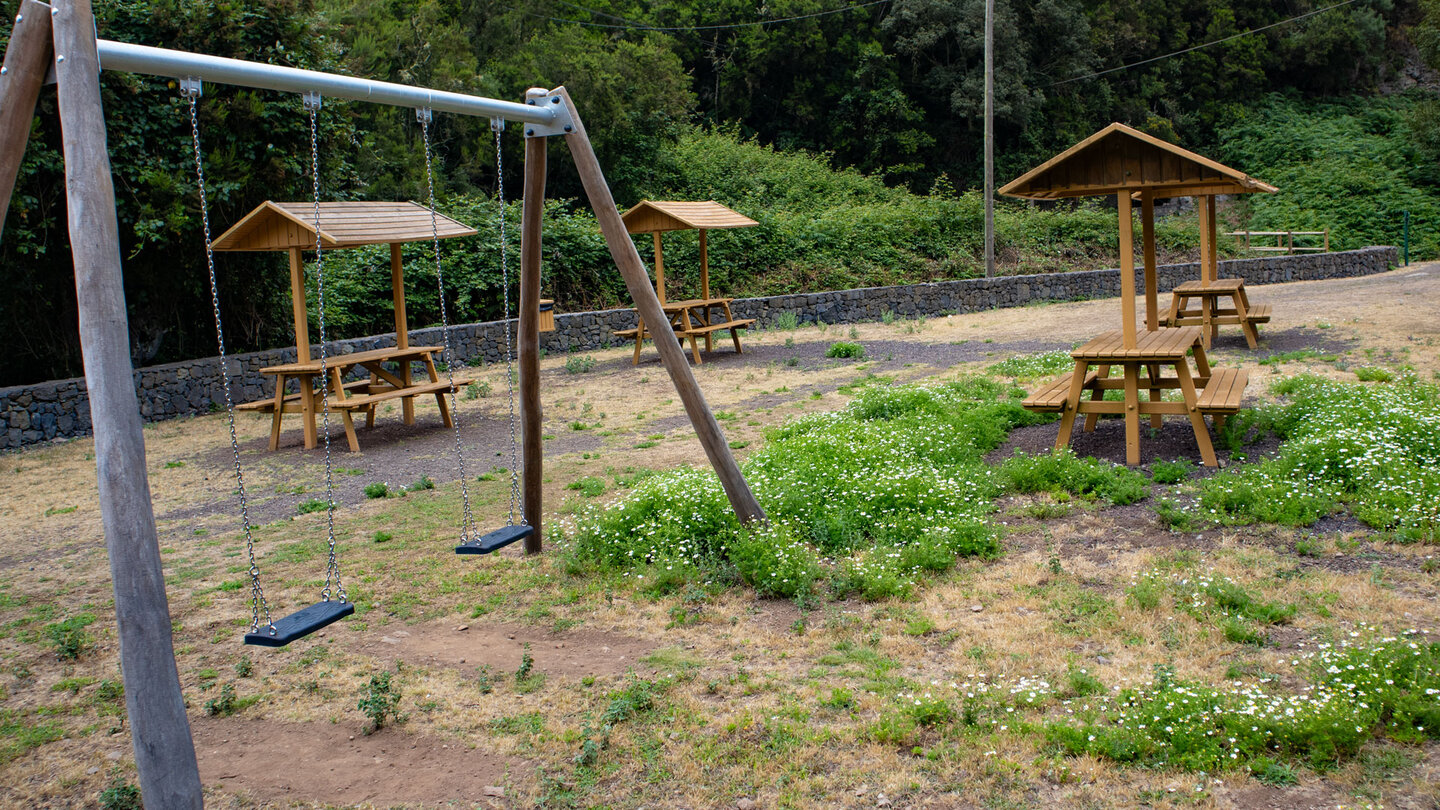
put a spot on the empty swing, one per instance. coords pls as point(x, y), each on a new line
point(511, 532)
point(327, 611)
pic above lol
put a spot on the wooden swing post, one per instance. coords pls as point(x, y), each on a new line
point(637, 281)
point(27, 57)
point(155, 707)
point(532, 419)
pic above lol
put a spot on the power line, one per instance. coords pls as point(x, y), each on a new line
point(1206, 45)
point(701, 27)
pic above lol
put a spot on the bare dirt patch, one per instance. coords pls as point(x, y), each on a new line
point(274, 763)
point(570, 654)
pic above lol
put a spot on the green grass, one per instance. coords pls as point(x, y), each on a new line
point(846, 350)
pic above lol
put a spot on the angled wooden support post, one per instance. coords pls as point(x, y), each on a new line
point(27, 57)
point(627, 259)
point(159, 730)
point(532, 419)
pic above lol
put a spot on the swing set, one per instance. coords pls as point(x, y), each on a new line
point(61, 40)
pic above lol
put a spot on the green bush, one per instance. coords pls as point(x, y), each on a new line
point(845, 349)
point(120, 795)
point(891, 487)
point(379, 701)
point(377, 490)
point(1352, 166)
point(1063, 471)
point(1372, 448)
point(579, 364)
point(311, 505)
point(1171, 472)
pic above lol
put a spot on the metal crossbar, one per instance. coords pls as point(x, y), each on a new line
point(174, 64)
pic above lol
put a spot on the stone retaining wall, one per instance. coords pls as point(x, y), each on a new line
point(60, 408)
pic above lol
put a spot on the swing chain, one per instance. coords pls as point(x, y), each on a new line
point(190, 89)
point(505, 316)
point(332, 568)
point(467, 526)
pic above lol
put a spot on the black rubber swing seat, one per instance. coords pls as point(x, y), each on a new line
point(496, 540)
point(301, 623)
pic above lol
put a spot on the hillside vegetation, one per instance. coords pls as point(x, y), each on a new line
point(852, 137)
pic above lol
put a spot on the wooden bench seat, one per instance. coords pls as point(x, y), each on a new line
point(267, 405)
point(1052, 397)
point(1258, 313)
point(364, 401)
point(1223, 392)
point(697, 330)
point(716, 327)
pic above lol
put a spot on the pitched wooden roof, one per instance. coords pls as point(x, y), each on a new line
point(1119, 158)
point(281, 226)
point(650, 216)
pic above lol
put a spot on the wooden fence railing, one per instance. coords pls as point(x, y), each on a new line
point(1285, 241)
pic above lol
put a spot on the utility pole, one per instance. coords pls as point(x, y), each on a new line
point(989, 138)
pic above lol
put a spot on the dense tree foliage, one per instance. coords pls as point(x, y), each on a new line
point(692, 99)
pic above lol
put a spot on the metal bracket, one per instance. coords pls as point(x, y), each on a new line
point(563, 123)
point(192, 87)
point(424, 115)
point(497, 124)
point(311, 100)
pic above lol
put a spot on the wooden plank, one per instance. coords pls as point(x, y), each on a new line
point(1127, 269)
point(1147, 239)
point(1132, 414)
point(155, 707)
point(297, 306)
point(704, 264)
point(402, 328)
point(364, 401)
point(27, 58)
point(622, 250)
point(1197, 421)
point(532, 418)
point(659, 270)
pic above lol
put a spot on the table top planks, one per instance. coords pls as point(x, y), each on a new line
point(353, 358)
point(1159, 345)
point(1220, 286)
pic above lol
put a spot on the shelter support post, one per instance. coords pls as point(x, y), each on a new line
point(659, 270)
point(302, 344)
point(1127, 268)
point(1152, 283)
point(627, 259)
point(402, 327)
point(27, 57)
point(704, 267)
point(159, 730)
point(531, 417)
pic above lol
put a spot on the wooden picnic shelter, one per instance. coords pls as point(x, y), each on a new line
point(1132, 165)
point(695, 317)
point(291, 227)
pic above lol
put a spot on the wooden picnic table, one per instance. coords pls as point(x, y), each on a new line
point(1209, 312)
point(693, 318)
point(1143, 366)
point(356, 395)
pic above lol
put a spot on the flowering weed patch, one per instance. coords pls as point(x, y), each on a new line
point(1373, 448)
point(884, 490)
point(1063, 471)
point(1031, 366)
point(1356, 690)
